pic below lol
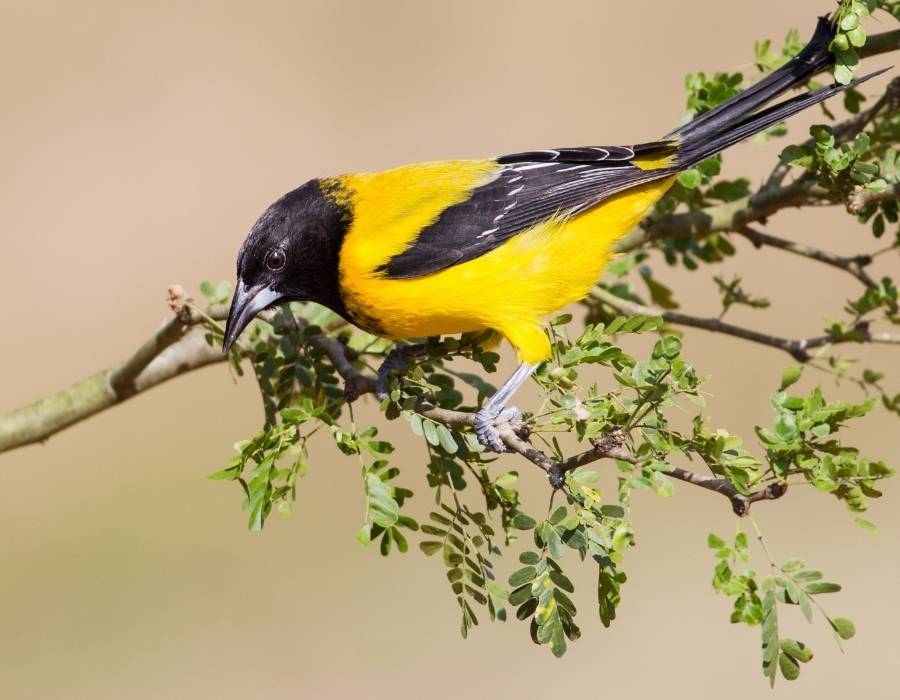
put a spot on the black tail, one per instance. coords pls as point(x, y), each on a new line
point(738, 118)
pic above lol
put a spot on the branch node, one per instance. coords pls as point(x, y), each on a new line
point(610, 444)
point(355, 386)
point(800, 355)
point(740, 504)
point(180, 303)
point(557, 477)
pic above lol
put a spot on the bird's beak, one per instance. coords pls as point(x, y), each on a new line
point(247, 302)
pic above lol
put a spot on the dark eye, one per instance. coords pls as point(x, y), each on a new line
point(276, 259)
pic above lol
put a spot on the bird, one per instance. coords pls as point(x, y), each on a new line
point(497, 244)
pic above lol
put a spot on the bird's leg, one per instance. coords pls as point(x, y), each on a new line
point(496, 411)
point(397, 362)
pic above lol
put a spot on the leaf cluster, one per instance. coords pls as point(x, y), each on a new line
point(757, 601)
point(651, 408)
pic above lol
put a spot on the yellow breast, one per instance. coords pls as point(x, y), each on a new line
point(509, 289)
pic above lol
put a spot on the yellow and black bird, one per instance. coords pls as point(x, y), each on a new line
point(466, 245)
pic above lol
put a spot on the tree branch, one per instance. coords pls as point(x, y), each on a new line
point(180, 347)
point(853, 266)
point(173, 350)
point(773, 195)
point(798, 349)
point(861, 198)
point(612, 446)
point(880, 43)
point(740, 502)
point(728, 216)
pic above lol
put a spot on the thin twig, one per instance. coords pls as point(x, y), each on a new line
point(728, 216)
point(180, 346)
point(740, 502)
point(798, 349)
point(773, 196)
point(854, 266)
point(846, 130)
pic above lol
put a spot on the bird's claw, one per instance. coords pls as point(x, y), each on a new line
point(486, 422)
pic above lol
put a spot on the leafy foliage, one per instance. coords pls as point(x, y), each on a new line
point(300, 396)
point(478, 516)
point(756, 602)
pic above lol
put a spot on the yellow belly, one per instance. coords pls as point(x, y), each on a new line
point(510, 289)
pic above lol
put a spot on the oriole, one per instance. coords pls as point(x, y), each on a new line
point(465, 245)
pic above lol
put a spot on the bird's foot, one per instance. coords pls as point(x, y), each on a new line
point(397, 362)
point(486, 422)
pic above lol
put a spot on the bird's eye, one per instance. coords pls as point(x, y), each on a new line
point(276, 259)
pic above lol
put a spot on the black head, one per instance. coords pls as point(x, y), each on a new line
point(290, 254)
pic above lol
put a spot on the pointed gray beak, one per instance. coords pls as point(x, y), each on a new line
point(247, 302)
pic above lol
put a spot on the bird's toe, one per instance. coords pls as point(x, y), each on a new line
point(486, 430)
point(488, 435)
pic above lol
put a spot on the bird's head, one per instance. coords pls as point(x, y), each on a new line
point(290, 254)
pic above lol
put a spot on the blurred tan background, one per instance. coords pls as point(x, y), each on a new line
point(140, 141)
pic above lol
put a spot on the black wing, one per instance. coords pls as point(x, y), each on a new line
point(531, 187)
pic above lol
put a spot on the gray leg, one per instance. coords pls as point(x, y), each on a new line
point(495, 409)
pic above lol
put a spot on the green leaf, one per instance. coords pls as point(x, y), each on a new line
point(431, 433)
point(557, 637)
point(554, 542)
point(790, 376)
point(558, 515)
point(714, 541)
point(383, 509)
point(797, 155)
point(769, 635)
point(842, 74)
point(523, 522)
point(445, 437)
point(863, 523)
point(808, 575)
point(818, 587)
point(530, 558)
point(415, 423)
point(821, 430)
point(792, 565)
point(507, 480)
point(840, 42)
point(857, 36)
point(430, 547)
point(790, 669)
point(496, 590)
point(844, 627)
point(690, 179)
point(798, 650)
point(849, 21)
point(609, 583)
point(364, 534)
point(562, 581)
point(523, 575)
point(520, 595)
point(256, 516)
point(612, 511)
